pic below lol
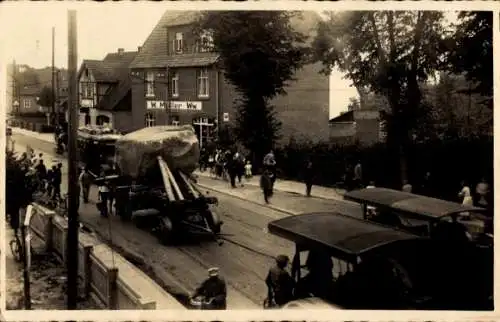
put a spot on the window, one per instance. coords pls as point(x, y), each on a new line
point(150, 84)
point(178, 42)
point(175, 85)
point(90, 90)
point(150, 120)
point(27, 103)
point(206, 42)
point(203, 89)
point(175, 120)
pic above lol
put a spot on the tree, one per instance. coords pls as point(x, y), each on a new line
point(46, 97)
point(475, 30)
point(354, 104)
point(259, 52)
point(390, 53)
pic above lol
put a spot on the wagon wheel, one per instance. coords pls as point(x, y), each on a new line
point(214, 221)
point(165, 230)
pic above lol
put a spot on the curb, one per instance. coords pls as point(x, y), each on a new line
point(286, 190)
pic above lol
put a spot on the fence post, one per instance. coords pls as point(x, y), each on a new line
point(113, 288)
point(87, 278)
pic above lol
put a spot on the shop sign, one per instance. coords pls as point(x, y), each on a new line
point(155, 105)
point(183, 105)
point(86, 103)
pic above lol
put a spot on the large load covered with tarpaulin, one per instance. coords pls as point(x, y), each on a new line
point(155, 186)
point(138, 152)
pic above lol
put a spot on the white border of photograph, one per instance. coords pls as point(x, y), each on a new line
point(243, 315)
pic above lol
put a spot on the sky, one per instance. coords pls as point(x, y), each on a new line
point(102, 28)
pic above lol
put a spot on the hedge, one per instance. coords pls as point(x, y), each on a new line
point(449, 162)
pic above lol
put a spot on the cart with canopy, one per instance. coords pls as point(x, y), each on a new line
point(357, 264)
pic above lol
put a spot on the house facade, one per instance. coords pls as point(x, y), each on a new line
point(361, 126)
point(104, 91)
point(177, 79)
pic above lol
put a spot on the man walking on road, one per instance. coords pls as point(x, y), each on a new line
point(309, 177)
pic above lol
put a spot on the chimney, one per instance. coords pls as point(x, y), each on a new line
point(120, 50)
point(139, 48)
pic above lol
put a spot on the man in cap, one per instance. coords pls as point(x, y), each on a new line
point(213, 289)
point(279, 283)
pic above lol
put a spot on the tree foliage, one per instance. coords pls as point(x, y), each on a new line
point(46, 97)
point(470, 50)
point(18, 193)
point(259, 52)
point(389, 53)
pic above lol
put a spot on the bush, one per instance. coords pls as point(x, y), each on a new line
point(44, 128)
point(448, 161)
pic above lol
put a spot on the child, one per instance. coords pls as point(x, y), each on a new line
point(248, 170)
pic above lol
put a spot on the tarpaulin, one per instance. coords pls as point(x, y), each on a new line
point(137, 151)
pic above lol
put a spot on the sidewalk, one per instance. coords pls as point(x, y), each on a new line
point(288, 186)
point(282, 201)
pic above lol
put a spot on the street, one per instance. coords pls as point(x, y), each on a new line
point(246, 254)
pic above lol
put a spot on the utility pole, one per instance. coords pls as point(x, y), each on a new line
point(14, 85)
point(51, 118)
point(58, 72)
point(73, 226)
point(168, 104)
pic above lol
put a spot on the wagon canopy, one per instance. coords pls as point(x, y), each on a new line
point(343, 236)
point(417, 206)
point(137, 152)
point(98, 134)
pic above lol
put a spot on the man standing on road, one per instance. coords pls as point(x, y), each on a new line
point(358, 176)
point(280, 284)
point(213, 290)
point(57, 180)
point(85, 181)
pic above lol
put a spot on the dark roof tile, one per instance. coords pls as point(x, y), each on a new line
point(154, 50)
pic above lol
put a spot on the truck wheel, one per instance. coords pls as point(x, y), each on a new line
point(165, 230)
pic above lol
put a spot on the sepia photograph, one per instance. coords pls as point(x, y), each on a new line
point(182, 160)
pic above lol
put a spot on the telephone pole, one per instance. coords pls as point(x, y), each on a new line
point(14, 86)
point(58, 73)
point(73, 226)
point(53, 77)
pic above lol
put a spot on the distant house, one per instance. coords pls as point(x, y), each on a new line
point(105, 91)
point(177, 79)
point(361, 126)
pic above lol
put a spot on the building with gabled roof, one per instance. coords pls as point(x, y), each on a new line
point(105, 91)
point(176, 79)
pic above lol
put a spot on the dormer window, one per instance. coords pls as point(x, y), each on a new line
point(206, 42)
point(178, 43)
